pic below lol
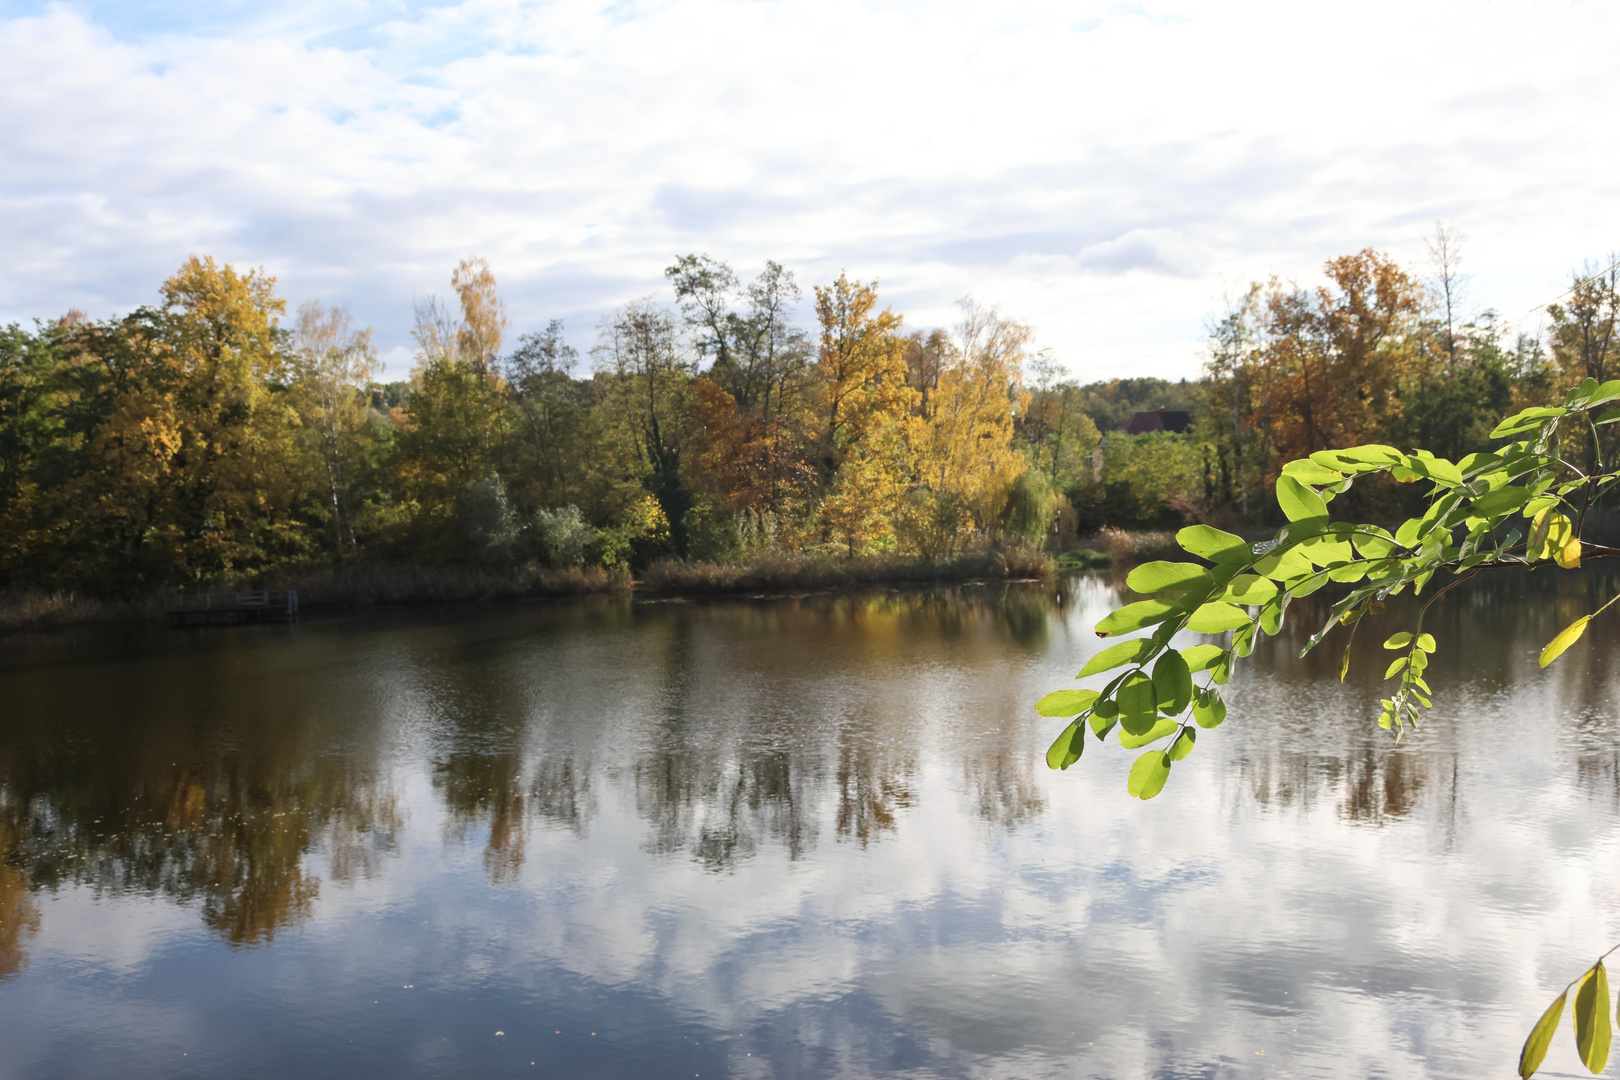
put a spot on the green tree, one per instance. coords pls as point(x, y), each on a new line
point(454, 425)
point(647, 377)
point(333, 363)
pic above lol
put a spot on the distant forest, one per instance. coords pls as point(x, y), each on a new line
point(210, 439)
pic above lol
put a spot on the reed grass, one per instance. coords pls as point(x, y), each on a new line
point(349, 585)
point(37, 609)
point(372, 584)
point(798, 573)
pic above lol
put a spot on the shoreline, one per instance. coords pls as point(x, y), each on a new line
point(380, 586)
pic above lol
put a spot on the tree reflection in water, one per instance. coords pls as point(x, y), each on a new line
point(232, 765)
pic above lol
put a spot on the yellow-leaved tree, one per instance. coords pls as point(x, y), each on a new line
point(865, 400)
point(961, 440)
point(194, 473)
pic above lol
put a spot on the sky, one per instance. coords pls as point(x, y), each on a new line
point(1108, 172)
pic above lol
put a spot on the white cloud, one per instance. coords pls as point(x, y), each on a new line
point(1101, 172)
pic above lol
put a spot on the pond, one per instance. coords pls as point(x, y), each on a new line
point(789, 837)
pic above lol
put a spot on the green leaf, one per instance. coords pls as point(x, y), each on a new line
point(1474, 464)
point(1609, 417)
point(1067, 747)
point(1434, 468)
point(1217, 618)
point(1159, 730)
point(1201, 657)
point(1371, 544)
point(1172, 682)
point(1308, 585)
point(1426, 642)
point(1535, 1047)
point(1398, 641)
point(1395, 665)
point(1271, 615)
point(1136, 616)
point(1526, 420)
point(1567, 637)
point(1283, 564)
point(1535, 506)
point(1299, 502)
point(1326, 549)
point(1066, 702)
point(1135, 651)
point(1208, 709)
point(1501, 501)
point(1592, 1029)
point(1155, 577)
point(1213, 544)
point(1359, 459)
point(1149, 774)
point(1138, 704)
point(1248, 589)
point(1183, 744)
point(1310, 471)
point(1104, 717)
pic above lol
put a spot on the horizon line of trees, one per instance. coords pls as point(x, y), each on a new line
point(204, 439)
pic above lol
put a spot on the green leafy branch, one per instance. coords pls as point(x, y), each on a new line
point(1241, 591)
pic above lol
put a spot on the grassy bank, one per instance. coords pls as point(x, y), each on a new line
point(799, 573)
point(388, 584)
point(34, 609)
point(361, 585)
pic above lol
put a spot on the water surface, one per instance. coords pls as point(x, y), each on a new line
point(793, 837)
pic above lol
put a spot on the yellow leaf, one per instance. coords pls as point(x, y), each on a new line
point(1535, 1047)
point(1570, 635)
point(1592, 1029)
point(1569, 557)
point(1550, 535)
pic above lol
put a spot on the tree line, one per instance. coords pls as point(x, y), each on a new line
point(210, 438)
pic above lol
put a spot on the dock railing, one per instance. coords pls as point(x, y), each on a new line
point(263, 605)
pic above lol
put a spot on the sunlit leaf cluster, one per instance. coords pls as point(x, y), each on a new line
point(1520, 504)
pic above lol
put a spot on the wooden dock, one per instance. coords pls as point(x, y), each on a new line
point(228, 608)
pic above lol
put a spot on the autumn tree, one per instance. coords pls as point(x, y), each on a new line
point(1585, 344)
point(193, 474)
point(865, 400)
point(1335, 358)
point(753, 403)
point(961, 441)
